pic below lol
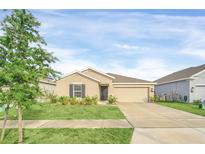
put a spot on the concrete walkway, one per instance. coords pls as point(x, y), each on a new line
point(158, 124)
point(69, 124)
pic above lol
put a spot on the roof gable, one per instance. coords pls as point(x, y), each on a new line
point(99, 72)
point(77, 72)
point(182, 74)
point(114, 78)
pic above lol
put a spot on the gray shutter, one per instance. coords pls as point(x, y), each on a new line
point(71, 90)
point(83, 90)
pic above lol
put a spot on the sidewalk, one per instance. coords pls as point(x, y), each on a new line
point(68, 124)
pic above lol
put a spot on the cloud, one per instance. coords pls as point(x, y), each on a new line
point(195, 45)
point(64, 53)
point(126, 46)
point(150, 68)
point(72, 65)
point(125, 42)
point(145, 68)
point(194, 52)
point(68, 59)
point(101, 31)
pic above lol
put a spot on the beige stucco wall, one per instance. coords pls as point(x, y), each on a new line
point(132, 93)
point(104, 80)
point(62, 85)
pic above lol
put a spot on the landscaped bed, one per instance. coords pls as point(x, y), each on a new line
point(188, 107)
point(71, 136)
point(50, 111)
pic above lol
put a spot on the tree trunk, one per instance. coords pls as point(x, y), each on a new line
point(20, 125)
point(4, 125)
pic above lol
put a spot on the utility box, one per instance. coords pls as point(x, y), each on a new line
point(202, 105)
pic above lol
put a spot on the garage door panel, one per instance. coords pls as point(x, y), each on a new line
point(131, 94)
point(200, 92)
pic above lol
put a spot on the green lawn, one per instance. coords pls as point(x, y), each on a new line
point(71, 136)
point(66, 112)
point(188, 107)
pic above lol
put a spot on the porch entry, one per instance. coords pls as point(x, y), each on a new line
point(103, 93)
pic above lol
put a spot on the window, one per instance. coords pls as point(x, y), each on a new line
point(77, 90)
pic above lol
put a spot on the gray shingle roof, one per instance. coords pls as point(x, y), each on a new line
point(125, 79)
point(48, 81)
point(185, 73)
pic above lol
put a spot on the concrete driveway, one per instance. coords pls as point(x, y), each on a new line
point(158, 124)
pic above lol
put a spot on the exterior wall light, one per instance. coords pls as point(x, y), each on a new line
point(152, 90)
point(192, 89)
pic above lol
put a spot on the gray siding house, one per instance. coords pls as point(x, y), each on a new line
point(186, 85)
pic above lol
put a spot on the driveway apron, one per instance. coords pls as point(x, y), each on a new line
point(158, 124)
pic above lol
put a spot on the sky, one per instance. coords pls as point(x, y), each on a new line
point(146, 44)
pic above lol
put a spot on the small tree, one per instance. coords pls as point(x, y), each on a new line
point(25, 61)
point(5, 93)
point(5, 104)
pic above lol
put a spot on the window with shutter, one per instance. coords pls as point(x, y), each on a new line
point(83, 90)
point(77, 90)
point(71, 90)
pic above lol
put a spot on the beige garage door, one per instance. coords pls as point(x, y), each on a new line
point(131, 94)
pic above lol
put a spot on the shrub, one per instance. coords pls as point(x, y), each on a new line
point(90, 100)
point(112, 99)
point(151, 98)
point(52, 98)
point(197, 102)
point(80, 101)
point(154, 99)
point(94, 100)
point(87, 100)
point(64, 100)
point(73, 101)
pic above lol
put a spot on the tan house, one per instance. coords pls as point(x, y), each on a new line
point(91, 82)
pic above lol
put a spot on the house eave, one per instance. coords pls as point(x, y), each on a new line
point(183, 79)
point(134, 83)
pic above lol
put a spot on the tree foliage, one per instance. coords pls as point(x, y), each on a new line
point(23, 60)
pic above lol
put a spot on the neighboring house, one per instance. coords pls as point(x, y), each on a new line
point(91, 82)
point(186, 85)
point(47, 85)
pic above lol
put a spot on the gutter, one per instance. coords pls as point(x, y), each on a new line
point(135, 83)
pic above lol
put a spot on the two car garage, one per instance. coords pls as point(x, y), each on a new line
point(133, 93)
point(128, 89)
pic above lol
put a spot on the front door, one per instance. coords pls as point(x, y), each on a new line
point(103, 93)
